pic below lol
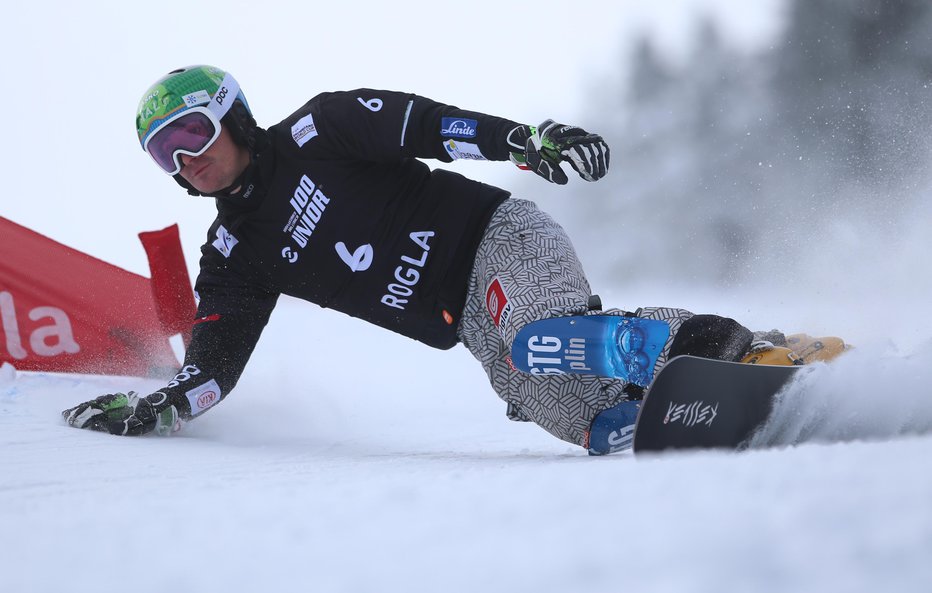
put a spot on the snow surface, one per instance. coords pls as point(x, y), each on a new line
point(389, 466)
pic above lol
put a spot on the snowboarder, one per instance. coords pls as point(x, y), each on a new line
point(332, 206)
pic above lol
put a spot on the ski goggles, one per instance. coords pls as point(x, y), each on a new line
point(190, 132)
point(193, 130)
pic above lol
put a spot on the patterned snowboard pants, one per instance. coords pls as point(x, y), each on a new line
point(526, 269)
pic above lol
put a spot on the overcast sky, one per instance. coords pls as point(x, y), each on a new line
point(75, 72)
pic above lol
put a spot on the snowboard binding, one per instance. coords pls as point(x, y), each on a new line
point(793, 350)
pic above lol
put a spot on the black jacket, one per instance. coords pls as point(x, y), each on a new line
point(336, 210)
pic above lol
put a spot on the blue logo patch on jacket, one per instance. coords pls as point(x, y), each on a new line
point(458, 127)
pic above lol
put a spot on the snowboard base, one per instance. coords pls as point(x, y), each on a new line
point(701, 403)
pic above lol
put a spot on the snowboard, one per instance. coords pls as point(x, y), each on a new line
point(626, 348)
point(697, 403)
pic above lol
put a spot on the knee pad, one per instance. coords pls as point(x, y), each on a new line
point(711, 336)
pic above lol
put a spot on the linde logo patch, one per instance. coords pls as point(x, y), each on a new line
point(303, 130)
point(46, 340)
point(452, 127)
point(308, 204)
point(691, 414)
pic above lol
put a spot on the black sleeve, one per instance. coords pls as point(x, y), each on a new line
point(230, 318)
point(379, 125)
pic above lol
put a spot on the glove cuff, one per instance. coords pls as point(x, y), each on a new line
point(167, 418)
point(167, 422)
point(517, 145)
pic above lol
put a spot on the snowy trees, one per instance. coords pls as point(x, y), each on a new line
point(728, 157)
point(851, 83)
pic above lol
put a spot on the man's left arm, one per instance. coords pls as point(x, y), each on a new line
point(472, 135)
point(386, 125)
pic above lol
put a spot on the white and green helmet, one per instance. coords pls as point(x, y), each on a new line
point(182, 111)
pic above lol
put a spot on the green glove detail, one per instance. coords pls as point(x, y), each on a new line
point(125, 414)
point(549, 144)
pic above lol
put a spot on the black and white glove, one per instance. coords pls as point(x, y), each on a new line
point(125, 414)
point(543, 148)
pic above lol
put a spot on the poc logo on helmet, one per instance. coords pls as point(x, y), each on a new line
point(221, 95)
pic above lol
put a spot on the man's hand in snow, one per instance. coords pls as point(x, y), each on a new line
point(124, 414)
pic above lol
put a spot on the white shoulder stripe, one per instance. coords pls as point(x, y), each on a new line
point(404, 127)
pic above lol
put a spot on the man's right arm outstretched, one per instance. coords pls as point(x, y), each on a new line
point(230, 319)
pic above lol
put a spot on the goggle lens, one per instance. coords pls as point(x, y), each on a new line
point(192, 133)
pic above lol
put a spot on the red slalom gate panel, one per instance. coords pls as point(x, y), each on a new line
point(64, 311)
